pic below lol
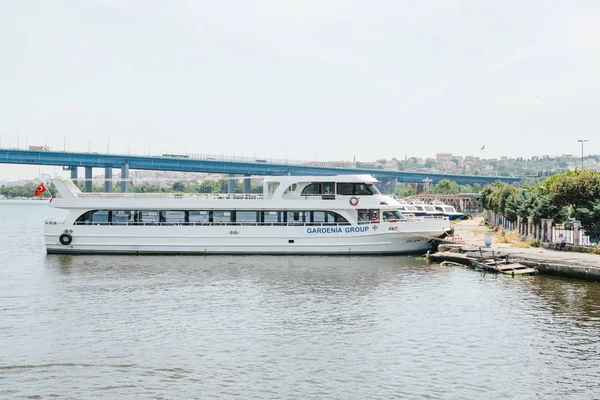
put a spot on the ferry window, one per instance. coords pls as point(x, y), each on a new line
point(222, 216)
point(356, 189)
point(100, 217)
point(372, 188)
point(328, 218)
point(172, 216)
point(346, 189)
point(291, 190)
point(297, 217)
point(273, 217)
point(313, 189)
point(391, 215)
point(374, 215)
point(122, 217)
point(246, 216)
point(198, 217)
point(148, 217)
point(319, 216)
point(271, 188)
point(336, 218)
point(363, 216)
point(85, 218)
point(328, 188)
point(362, 189)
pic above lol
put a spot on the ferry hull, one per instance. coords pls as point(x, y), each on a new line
point(236, 240)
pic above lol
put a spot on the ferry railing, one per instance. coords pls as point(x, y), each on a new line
point(179, 196)
point(182, 223)
point(83, 223)
point(309, 197)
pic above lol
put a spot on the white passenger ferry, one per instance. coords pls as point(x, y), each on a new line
point(343, 214)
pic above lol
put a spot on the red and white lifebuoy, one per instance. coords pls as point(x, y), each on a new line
point(353, 201)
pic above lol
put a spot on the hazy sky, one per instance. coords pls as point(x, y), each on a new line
point(301, 79)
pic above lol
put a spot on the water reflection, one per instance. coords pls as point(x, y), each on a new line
point(579, 300)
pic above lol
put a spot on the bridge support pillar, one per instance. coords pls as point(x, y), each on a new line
point(246, 183)
point(108, 184)
point(74, 175)
point(88, 179)
point(231, 183)
point(125, 178)
point(393, 185)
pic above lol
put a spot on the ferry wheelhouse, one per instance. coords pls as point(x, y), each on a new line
point(342, 214)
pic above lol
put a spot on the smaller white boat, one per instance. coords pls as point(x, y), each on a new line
point(426, 209)
point(448, 211)
point(406, 208)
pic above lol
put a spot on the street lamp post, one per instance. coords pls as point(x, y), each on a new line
point(582, 142)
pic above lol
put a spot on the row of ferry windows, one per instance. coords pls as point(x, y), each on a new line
point(346, 189)
point(132, 217)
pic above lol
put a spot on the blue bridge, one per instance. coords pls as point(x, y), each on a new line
point(235, 166)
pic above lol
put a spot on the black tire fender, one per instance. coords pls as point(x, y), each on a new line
point(65, 239)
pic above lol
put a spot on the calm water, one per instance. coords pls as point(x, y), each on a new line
point(155, 327)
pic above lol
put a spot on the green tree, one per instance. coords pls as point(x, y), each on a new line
point(494, 196)
point(145, 188)
point(466, 189)
point(589, 215)
point(209, 186)
point(447, 186)
point(513, 204)
point(404, 192)
point(575, 188)
point(545, 207)
point(179, 187)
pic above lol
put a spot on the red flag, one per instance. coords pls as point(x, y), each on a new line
point(482, 147)
point(40, 189)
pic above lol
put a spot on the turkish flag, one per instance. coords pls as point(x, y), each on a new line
point(40, 189)
point(483, 147)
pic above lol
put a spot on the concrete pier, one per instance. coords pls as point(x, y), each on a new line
point(74, 174)
point(125, 178)
point(88, 179)
point(231, 184)
point(470, 237)
point(108, 184)
point(393, 185)
point(246, 183)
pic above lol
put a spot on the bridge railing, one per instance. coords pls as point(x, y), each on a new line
point(259, 160)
